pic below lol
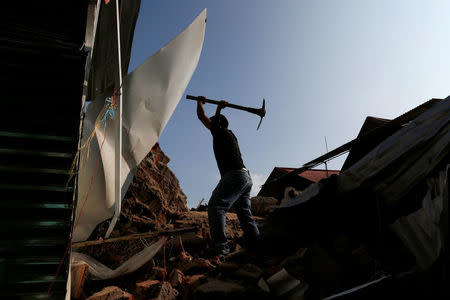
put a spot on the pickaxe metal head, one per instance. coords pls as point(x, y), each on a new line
point(262, 112)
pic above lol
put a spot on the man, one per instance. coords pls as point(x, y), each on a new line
point(235, 183)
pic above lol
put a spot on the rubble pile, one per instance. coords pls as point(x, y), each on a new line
point(155, 206)
point(152, 200)
point(155, 191)
point(363, 234)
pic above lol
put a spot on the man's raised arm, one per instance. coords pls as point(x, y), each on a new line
point(202, 115)
point(222, 104)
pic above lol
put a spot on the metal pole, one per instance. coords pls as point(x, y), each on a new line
point(118, 156)
point(326, 147)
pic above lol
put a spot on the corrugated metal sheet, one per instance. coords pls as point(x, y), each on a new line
point(43, 70)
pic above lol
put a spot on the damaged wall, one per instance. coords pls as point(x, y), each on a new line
point(154, 195)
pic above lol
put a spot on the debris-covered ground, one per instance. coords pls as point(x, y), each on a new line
point(155, 206)
point(379, 230)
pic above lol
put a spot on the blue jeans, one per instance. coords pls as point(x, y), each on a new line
point(233, 188)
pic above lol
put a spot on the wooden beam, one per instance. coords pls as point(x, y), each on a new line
point(79, 270)
point(133, 237)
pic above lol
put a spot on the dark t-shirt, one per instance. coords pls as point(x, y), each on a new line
point(226, 150)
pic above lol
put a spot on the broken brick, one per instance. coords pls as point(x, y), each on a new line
point(197, 265)
point(167, 292)
point(145, 288)
point(176, 278)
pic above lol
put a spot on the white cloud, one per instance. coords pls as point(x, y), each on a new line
point(258, 181)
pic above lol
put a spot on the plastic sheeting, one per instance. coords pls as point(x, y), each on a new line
point(150, 95)
point(99, 271)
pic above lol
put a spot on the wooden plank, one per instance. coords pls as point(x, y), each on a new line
point(79, 271)
point(133, 237)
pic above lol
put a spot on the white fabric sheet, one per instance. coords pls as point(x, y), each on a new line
point(99, 271)
point(150, 95)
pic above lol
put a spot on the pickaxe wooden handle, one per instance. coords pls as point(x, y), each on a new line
point(257, 111)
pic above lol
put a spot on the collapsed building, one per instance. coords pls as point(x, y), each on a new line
point(377, 228)
point(389, 208)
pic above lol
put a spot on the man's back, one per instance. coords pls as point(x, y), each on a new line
point(226, 150)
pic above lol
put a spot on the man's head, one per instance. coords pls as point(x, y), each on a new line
point(219, 121)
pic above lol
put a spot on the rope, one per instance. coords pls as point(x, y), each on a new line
point(108, 111)
point(79, 215)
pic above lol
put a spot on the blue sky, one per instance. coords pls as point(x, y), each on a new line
point(322, 66)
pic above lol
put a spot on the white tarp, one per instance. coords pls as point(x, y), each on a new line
point(99, 271)
point(150, 95)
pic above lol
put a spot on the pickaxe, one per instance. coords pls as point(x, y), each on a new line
point(257, 111)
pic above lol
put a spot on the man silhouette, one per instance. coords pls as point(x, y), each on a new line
point(235, 183)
